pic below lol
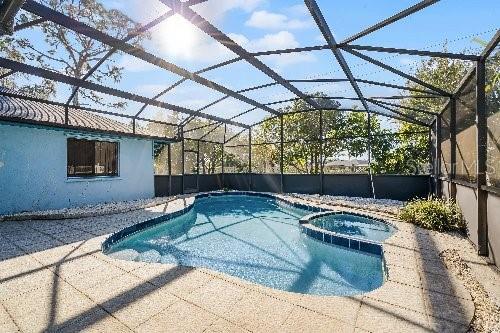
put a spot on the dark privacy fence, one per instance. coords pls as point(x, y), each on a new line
point(466, 140)
point(398, 187)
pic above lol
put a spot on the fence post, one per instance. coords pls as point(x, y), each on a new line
point(169, 169)
point(370, 175)
point(481, 130)
point(281, 153)
point(182, 161)
point(198, 165)
point(431, 158)
point(437, 157)
point(250, 158)
point(453, 147)
point(321, 171)
point(223, 144)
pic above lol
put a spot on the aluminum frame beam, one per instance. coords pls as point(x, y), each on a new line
point(350, 98)
point(113, 50)
point(226, 96)
point(177, 83)
point(43, 73)
point(409, 119)
point(448, 55)
point(422, 53)
point(205, 26)
point(491, 46)
point(29, 24)
point(88, 129)
point(81, 28)
point(398, 72)
point(330, 39)
point(336, 109)
point(9, 73)
point(376, 83)
point(291, 50)
point(408, 108)
point(235, 135)
point(201, 126)
point(413, 9)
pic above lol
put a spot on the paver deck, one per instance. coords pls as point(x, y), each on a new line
point(54, 277)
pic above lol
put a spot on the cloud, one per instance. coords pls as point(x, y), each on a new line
point(149, 89)
point(216, 12)
point(263, 19)
point(178, 40)
point(299, 9)
point(279, 40)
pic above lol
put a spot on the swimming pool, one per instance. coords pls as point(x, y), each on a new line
point(256, 238)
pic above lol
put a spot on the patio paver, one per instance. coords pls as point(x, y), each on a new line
point(46, 284)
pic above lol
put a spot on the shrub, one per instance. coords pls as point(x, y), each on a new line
point(432, 213)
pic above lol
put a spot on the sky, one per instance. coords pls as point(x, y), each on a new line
point(260, 25)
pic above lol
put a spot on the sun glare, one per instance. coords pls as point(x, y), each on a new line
point(177, 37)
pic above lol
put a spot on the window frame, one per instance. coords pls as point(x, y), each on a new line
point(114, 174)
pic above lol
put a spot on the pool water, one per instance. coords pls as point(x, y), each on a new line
point(354, 226)
point(255, 239)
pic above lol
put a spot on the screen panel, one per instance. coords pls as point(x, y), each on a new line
point(266, 158)
point(445, 143)
point(493, 122)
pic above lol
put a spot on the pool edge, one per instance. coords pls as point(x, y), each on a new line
point(336, 239)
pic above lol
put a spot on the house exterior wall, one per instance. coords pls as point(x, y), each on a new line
point(33, 173)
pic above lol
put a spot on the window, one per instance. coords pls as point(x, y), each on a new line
point(88, 158)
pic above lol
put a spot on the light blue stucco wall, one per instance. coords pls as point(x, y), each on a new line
point(33, 171)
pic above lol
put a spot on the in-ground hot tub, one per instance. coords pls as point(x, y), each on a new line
point(352, 225)
point(253, 236)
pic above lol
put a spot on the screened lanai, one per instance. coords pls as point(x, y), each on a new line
point(249, 165)
point(311, 97)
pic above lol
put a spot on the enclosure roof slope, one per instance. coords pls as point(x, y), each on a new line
point(241, 55)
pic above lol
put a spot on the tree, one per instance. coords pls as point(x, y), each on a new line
point(210, 158)
point(210, 153)
point(409, 153)
point(301, 132)
point(235, 163)
point(345, 133)
point(44, 89)
point(72, 53)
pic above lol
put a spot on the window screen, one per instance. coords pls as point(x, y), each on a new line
point(92, 158)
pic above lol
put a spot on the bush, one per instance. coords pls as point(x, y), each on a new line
point(432, 213)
